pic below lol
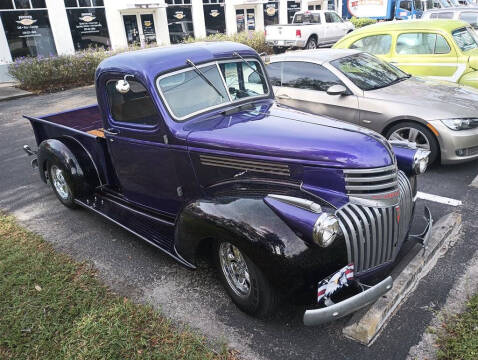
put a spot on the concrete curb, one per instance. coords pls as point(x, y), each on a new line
point(365, 325)
point(10, 93)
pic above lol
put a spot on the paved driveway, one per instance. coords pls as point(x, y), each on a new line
point(142, 272)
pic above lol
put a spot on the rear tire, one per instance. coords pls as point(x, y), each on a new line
point(61, 183)
point(311, 44)
point(414, 132)
point(244, 281)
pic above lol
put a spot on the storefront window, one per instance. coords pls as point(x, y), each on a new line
point(180, 20)
point(271, 13)
point(28, 33)
point(88, 25)
point(149, 32)
point(214, 16)
point(292, 8)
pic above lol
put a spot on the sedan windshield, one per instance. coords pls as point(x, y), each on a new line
point(368, 72)
point(195, 90)
point(465, 38)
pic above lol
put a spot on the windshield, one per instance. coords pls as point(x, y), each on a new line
point(187, 93)
point(368, 72)
point(466, 38)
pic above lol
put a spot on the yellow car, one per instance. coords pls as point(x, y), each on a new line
point(439, 49)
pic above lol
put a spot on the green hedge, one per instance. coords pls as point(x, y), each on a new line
point(361, 22)
point(255, 40)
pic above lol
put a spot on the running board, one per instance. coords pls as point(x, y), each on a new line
point(155, 231)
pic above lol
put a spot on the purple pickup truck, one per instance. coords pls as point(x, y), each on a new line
point(188, 150)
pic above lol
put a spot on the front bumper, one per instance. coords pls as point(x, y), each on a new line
point(286, 43)
point(348, 306)
point(456, 146)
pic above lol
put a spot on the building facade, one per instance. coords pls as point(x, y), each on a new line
point(55, 27)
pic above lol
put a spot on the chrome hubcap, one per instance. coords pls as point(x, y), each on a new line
point(311, 45)
point(234, 268)
point(411, 135)
point(59, 182)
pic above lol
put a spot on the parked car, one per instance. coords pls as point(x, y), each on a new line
point(188, 150)
point(468, 14)
point(309, 29)
point(440, 49)
point(384, 10)
point(360, 88)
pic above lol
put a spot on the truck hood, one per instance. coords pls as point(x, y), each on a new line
point(271, 130)
point(437, 99)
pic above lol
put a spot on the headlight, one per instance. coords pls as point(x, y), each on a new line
point(461, 124)
point(420, 161)
point(326, 229)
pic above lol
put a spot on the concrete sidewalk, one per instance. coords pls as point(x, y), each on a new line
point(8, 91)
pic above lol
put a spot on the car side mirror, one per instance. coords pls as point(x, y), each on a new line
point(122, 86)
point(337, 90)
point(254, 78)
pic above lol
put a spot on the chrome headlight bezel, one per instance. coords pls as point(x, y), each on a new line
point(420, 161)
point(326, 229)
point(460, 123)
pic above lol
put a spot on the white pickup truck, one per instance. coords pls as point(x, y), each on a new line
point(309, 29)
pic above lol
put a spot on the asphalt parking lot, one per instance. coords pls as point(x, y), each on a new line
point(135, 269)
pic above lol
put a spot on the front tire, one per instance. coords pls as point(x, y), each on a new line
point(417, 134)
point(60, 183)
point(244, 281)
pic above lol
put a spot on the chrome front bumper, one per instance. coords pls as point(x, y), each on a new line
point(347, 306)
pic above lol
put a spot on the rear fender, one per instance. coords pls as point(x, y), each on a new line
point(81, 171)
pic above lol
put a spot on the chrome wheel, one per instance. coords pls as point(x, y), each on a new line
point(59, 182)
point(235, 269)
point(311, 44)
point(411, 135)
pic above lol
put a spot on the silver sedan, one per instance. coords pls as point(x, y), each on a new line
point(359, 88)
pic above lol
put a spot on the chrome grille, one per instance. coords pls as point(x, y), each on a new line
point(374, 235)
point(360, 182)
point(243, 164)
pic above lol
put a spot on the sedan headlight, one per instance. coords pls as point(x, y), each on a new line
point(326, 229)
point(461, 124)
point(420, 161)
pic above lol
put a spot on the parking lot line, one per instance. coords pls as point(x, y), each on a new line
point(438, 199)
point(474, 183)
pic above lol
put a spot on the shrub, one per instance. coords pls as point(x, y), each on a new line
point(57, 72)
point(361, 22)
point(255, 40)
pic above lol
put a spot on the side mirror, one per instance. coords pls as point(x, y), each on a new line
point(122, 86)
point(337, 90)
point(254, 78)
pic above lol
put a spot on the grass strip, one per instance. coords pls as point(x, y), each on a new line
point(52, 307)
point(459, 338)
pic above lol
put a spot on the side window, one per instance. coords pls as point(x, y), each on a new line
point(407, 5)
point(471, 18)
point(309, 76)
point(134, 107)
point(421, 43)
point(274, 72)
point(375, 44)
point(336, 18)
point(328, 17)
point(315, 19)
point(445, 15)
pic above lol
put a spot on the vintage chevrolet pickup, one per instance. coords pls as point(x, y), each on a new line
point(188, 150)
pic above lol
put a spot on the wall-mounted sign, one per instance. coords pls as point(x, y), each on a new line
point(179, 15)
point(88, 28)
point(28, 33)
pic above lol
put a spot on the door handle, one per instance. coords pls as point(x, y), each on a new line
point(111, 131)
point(283, 96)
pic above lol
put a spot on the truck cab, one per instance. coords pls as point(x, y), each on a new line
point(188, 150)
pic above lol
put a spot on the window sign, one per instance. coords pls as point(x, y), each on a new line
point(271, 13)
point(28, 33)
point(292, 8)
point(88, 28)
point(214, 17)
point(149, 32)
point(180, 23)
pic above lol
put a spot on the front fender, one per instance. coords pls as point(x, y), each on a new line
point(80, 173)
point(288, 261)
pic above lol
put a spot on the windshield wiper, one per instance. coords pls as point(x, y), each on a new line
point(235, 53)
point(201, 74)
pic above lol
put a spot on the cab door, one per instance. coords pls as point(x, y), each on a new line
point(142, 160)
point(427, 54)
point(332, 31)
point(303, 85)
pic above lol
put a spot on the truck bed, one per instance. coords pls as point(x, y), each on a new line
point(86, 119)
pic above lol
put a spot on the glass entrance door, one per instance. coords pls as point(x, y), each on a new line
point(147, 26)
point(132, 29)
point(245, 19)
